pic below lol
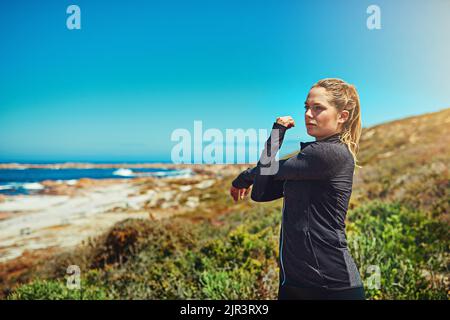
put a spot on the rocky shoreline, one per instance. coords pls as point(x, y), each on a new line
point(64, 215)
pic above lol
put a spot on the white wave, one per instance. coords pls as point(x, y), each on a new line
point(173, 173)
point(23, 185)
point(71, 182)
point(123, 172)
point(32, 186)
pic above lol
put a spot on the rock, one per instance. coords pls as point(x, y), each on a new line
point(185, 188)
point(192, 202)
point(169, 204)
point(205, 184)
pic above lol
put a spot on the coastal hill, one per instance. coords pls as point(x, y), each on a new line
point(407, 160)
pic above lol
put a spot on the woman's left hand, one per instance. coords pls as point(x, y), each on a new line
point(286, 121)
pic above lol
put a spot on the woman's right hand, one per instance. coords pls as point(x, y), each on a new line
point(237, 194)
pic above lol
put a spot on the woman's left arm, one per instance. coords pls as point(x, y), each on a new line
point(317, 162)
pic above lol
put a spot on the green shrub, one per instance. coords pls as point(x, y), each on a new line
point(56, 290)
point(409, 249)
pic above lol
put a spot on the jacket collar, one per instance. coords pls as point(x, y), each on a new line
point(333, 138)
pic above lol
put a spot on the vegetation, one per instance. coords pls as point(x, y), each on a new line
point(175, 259)
point(397, 229)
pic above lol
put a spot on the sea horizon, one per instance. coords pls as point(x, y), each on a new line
point(61, 161)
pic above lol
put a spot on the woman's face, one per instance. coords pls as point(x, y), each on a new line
point(321, 117)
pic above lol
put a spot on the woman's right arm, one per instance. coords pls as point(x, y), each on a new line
point(266, 188)
point(273, 188)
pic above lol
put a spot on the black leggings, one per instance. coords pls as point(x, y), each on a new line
point(296, 293)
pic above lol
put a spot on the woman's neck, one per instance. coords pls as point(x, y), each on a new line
point(323, 138)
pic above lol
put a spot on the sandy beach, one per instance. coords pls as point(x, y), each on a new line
point(65, 214)
point(45, 221)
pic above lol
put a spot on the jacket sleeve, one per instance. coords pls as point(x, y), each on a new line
point(316, 162)
point(273, 189)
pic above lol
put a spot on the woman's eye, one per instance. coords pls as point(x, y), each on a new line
point(313, 107)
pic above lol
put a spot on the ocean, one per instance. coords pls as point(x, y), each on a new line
point(27, 180)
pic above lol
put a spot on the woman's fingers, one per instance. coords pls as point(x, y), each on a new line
point(239, 194)
point(286, 121)
point(244, 192)
point(234, 193)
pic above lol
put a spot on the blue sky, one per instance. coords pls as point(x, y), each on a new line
point(137, 70)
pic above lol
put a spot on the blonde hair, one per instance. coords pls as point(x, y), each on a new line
point(345, 97)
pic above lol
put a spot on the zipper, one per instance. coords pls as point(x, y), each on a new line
point(308, 235)
point(312, 249)
point(281, 246)
point(315, 256)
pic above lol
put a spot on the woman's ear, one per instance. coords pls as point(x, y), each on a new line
point(343, 116)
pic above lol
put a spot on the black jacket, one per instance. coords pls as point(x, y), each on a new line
point(316, 185)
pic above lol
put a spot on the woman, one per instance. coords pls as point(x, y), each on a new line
point(316, 185)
